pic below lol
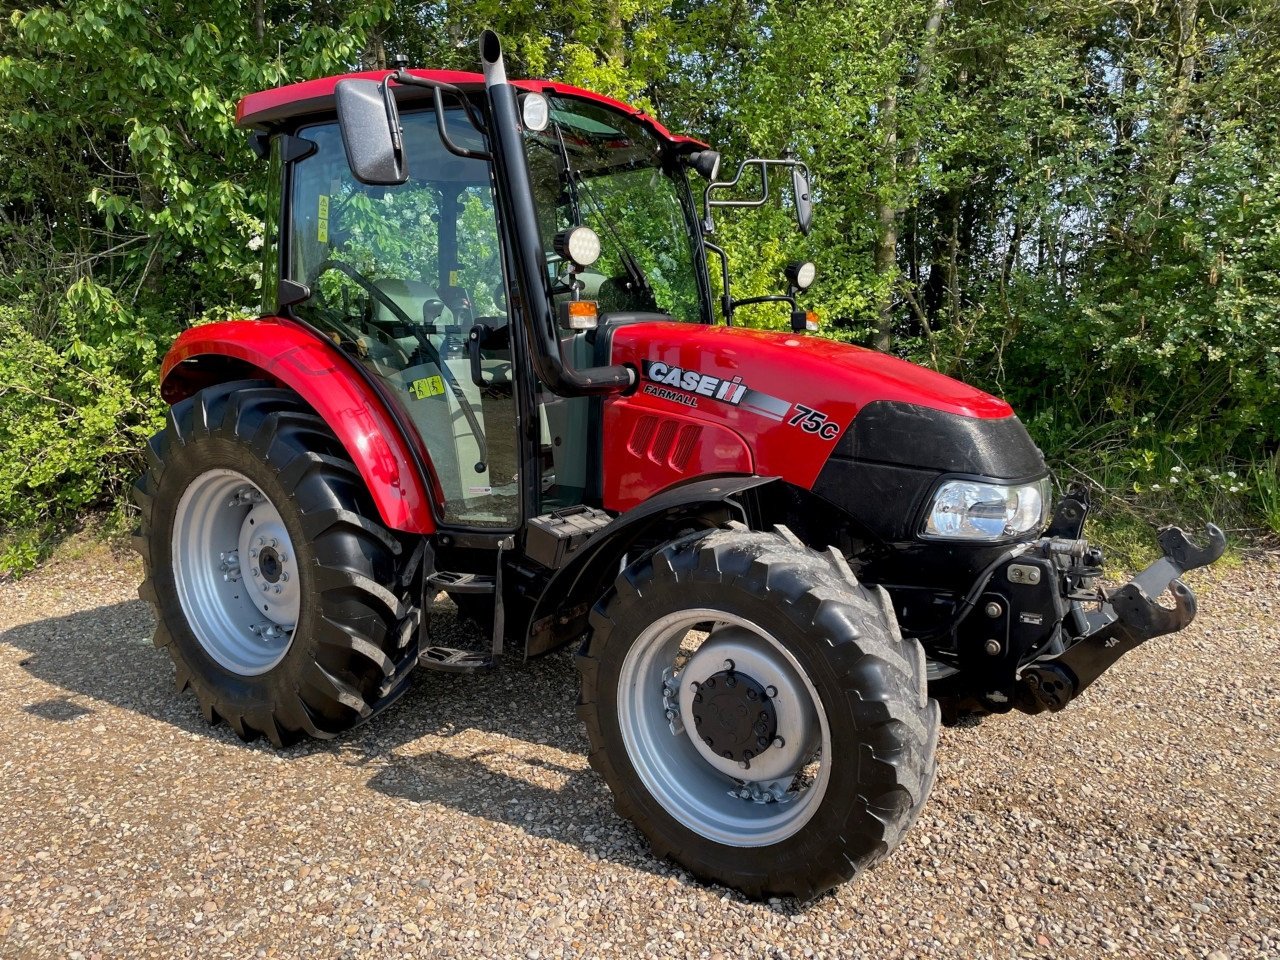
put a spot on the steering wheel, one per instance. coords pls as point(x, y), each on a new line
point(468, 411)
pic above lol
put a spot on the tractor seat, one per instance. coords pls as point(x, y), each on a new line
point(411, 296)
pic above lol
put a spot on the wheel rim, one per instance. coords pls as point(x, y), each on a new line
point(236, 572)
point(664, 727)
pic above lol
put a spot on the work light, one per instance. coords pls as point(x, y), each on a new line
point(579, 245)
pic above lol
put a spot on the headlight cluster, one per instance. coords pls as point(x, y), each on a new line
point(986, 510)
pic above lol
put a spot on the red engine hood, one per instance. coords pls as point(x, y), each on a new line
point(788, 397)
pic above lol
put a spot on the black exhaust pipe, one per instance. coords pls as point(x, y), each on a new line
point(512, 173)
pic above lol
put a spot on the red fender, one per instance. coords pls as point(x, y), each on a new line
point(321, 374)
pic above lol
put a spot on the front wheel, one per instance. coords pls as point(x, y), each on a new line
point(756, 712)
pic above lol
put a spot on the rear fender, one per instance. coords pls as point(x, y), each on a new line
point(560, 613)
point(325, 378)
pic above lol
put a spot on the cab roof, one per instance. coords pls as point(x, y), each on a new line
point(280, 105)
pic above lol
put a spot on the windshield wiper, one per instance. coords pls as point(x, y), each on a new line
point(635, 275)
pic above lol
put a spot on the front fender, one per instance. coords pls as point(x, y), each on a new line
point(561, 610)
point(325, 378)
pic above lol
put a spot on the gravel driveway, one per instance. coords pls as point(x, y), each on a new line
point(1143, 821)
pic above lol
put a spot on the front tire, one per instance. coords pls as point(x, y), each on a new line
point(756, 712)
point(284, 603)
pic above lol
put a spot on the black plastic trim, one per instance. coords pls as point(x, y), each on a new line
point(909, 435)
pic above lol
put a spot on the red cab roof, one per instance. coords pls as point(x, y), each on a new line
point(270, 107)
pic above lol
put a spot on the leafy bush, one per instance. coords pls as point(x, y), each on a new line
point(75, 413)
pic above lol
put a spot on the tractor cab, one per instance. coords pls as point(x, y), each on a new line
point(398, 241)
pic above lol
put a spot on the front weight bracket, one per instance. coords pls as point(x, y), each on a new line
point(1130, 616)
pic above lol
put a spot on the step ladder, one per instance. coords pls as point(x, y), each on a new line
point(460, 659)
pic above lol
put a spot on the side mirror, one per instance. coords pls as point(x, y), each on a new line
point(804, 203)
point(370, 125)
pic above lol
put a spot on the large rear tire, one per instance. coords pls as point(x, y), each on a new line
point(756, 712)
point(284, 603)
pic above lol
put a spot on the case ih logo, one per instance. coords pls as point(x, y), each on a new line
point(670, 382)
point(691, 381)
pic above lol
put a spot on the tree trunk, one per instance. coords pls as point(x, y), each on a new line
point(886, 259)
point(888, 201)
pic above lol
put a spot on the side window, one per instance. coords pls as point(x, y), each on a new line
point(398, 276)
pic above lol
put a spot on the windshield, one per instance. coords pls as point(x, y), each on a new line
point(596, 167)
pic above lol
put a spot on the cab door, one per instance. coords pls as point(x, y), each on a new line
point(398, 276)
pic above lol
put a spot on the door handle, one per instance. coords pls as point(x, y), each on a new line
point(475, 341)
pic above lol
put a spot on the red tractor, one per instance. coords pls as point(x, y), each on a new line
point(491, 363)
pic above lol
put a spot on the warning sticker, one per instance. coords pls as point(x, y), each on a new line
point(322, 220)
point(427, 387)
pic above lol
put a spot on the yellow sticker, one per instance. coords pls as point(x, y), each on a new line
point(322, 222)
point(453, 278)
point(427, 387)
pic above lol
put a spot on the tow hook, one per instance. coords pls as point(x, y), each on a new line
point(1129, 617)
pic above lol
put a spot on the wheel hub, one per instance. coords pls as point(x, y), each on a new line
point(235, 572)
point(731, 716)
point(269, 565)
point(734, 715)
point(729, 799)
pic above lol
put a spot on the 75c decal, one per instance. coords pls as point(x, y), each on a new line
point(814, 421)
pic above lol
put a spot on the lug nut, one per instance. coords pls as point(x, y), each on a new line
point(751, 695)
point(697, 720)
point(779, 742)
point(762, 742)
point(728, 665)
point(992, 647)
point(730, 681)
point(770, 691)
point(993, 610)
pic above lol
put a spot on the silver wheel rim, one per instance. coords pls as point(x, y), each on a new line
point(780, 789)
point(236, 572)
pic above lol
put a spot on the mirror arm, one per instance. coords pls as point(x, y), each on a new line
point(438, 90)
point(708, 224)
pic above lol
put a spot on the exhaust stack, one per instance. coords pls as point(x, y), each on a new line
point(495, 71)
point(506, 143)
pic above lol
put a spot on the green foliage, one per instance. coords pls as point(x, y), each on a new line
point(1074, 205)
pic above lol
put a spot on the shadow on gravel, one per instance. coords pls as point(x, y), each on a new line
point(106, 655)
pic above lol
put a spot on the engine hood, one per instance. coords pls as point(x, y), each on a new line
point(790, 398)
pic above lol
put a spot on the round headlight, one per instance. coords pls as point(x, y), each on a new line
point(535, 111)
point(981, 510)
point(802, 274)
point(579, 245)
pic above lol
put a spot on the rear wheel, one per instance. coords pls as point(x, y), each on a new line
point(283, 601)
point(756, 712)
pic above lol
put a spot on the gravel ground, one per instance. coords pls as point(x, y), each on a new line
point(1140, 822)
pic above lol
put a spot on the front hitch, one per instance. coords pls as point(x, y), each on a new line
point(1129, 617)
